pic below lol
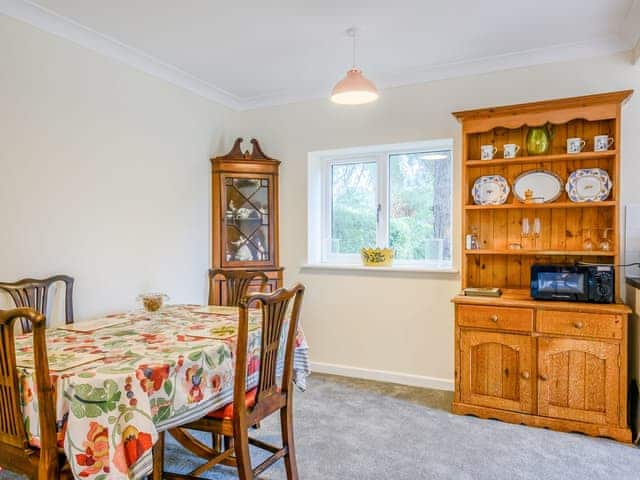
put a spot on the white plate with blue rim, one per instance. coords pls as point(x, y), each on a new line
point(490, 190)
point(588, 185)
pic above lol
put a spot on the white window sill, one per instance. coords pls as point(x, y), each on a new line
point(392, 269)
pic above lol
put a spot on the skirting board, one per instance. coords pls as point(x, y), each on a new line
point(383, 376)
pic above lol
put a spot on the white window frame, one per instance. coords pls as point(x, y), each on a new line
point(320, 199)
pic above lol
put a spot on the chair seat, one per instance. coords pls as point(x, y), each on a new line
point(226, 412)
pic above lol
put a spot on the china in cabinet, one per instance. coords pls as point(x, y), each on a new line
point(554, 364)
point(245, 214)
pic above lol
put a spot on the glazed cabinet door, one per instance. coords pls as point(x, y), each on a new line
point(496, 370)
point(578, 380)
point(248, 220)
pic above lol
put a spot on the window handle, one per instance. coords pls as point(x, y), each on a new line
point(378, 213)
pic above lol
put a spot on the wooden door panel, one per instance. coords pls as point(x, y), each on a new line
point(496, 370)
point(578, 380)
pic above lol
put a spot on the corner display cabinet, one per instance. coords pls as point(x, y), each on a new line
point(556, 364)
point(245, 215)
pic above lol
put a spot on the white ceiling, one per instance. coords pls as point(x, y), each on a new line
point(264, 52)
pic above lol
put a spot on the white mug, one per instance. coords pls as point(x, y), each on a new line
point(575, 145)
point(510, 150)
point(602, 143)
point(487, 152)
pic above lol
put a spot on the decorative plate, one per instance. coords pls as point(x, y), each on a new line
point(490, 190)
point(543, 185)
point(588, 185)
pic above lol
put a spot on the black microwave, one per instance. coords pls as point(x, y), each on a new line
point(573, 283)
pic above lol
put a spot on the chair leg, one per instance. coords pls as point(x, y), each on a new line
point(286, 423)
point(243, 456)
point(227, 442)
point(158, 458)
point(216, 442)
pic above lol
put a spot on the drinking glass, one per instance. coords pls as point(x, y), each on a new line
point(605, 242)
point(526, 230)
point(536, 231)
point(587, 243)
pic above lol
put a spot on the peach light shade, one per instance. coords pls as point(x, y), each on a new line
point(354, 89)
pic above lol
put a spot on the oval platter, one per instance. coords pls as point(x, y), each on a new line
point(588, 185)
point(543, 184)
point(490, 190)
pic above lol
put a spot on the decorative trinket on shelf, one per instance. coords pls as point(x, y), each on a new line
point(529, 198)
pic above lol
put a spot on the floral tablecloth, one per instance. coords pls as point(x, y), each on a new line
point(117, 386)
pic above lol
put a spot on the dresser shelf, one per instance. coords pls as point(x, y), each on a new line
point(507, 206)
point(541, 253)
point(532, 159)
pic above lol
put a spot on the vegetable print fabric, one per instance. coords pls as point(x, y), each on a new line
point(117, 386)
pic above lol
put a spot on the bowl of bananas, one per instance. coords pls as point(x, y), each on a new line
point(377, 257)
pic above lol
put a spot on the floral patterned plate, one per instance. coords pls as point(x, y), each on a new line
point(490, 190)
point(588, 185)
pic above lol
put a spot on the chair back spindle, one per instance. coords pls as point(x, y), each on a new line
point(237, 283)
point(34, 293)
point(274, 310)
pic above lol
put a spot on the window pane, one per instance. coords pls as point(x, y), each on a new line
point(353, 207)
point(420, 206)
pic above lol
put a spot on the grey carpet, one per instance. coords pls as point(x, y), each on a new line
point(349, 429)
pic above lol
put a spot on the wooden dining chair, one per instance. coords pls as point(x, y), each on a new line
point(34, 293)
point(250, 407)
point(16, 453)
point(237, 283)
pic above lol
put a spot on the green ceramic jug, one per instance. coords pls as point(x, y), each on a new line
point(539, 139)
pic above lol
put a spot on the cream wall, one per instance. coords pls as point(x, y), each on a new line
point(364, 323)
point(104, 173)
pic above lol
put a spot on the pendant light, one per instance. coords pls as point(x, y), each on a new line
point(354, 88)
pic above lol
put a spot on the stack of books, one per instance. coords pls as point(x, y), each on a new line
point(482, 292)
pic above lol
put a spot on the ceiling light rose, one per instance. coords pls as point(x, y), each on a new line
point(354, 88)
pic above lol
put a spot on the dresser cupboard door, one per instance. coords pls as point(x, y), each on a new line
point(496, 370)
point(578, 380)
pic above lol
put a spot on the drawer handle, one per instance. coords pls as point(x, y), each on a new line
point(525, 375)
point(494, 318)
point(544, 378)
point(578, 325)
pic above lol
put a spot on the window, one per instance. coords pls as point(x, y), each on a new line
point(392, 195)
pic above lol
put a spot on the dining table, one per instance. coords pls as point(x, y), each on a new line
point(120, 379)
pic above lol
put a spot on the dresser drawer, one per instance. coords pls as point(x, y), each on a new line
point(580, 324)
point(500, 318)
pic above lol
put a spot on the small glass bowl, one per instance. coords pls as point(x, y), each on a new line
point(152, 302)
point(515, 246)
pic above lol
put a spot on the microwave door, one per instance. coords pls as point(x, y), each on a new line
point(561, 285)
